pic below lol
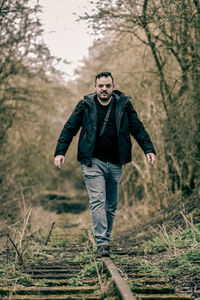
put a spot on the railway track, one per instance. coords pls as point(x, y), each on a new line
point(66, 268)
point(143, 285)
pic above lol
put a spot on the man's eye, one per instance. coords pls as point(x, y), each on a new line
point(108, 86)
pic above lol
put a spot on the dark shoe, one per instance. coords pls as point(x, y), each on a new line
point(103, 251)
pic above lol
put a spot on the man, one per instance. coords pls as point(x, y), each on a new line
point(107, 118)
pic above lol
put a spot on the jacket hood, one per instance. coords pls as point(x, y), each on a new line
point(118, 93)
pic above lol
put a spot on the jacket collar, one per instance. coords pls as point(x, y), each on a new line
point(121, 100)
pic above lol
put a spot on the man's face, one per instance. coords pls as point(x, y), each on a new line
point(104, 88)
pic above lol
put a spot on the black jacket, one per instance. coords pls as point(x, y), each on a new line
point(85, 115)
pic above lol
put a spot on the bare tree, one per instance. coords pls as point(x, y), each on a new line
point(171, 30)
point(23, 55)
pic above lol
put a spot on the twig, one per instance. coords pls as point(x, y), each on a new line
point(18, 253)
point(26, 219)
point(92, 241)
point(91, 238)
point(13, 225)
point(98, 274)
point(48, 237)
point(190, 223)
point(7, 250)
point(23, 198)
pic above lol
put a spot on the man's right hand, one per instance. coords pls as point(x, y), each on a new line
point(59, 160)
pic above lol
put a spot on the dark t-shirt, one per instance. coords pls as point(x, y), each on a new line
point(106, 147)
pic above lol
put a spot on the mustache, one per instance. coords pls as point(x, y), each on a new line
point(104, 92)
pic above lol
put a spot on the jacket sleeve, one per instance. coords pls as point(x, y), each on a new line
point(137, 129)
point(70, 129)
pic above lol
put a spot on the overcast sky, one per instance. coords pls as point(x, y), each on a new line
point(65, 37)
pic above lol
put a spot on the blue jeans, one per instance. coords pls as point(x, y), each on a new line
point(102, 181)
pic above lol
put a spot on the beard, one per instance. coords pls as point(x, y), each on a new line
point(104, 96)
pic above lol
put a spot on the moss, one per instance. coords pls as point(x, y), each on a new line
point(155, 270)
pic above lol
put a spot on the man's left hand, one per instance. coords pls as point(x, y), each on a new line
point(151, 158)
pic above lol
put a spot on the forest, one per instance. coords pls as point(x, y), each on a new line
point(152, 48)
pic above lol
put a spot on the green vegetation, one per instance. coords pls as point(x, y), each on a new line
point(173, 254)
point(75, 281)
point(151, 269)
point(178, 239)
point(91, 269)
point(15, 276)
point(185, 262)
point(41, 283)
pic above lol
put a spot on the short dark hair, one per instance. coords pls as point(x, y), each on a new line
point(104, 74)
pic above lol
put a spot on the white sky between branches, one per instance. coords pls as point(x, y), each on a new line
point(66, 38)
